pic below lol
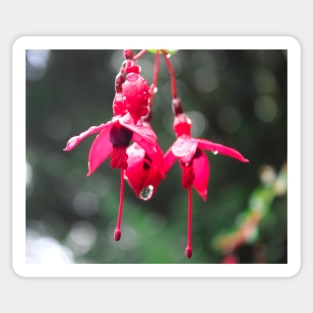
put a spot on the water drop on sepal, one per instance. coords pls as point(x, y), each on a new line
point(146, 193)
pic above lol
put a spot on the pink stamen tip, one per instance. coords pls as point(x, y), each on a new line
point(188, 252)
point(117, 234)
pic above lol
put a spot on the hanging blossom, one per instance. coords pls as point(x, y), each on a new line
point(141, 162)
point(194, 163)
point(130, 104)
point(144, 173)
point(190, 152)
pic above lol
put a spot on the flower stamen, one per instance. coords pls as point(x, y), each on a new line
point(117, 232)
point(189, 225)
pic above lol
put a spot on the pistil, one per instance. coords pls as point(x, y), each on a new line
point(117, 232)
point(189, 226)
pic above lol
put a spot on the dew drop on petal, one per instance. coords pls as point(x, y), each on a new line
point(215, 152)
point(155, 89)
point(146, 193)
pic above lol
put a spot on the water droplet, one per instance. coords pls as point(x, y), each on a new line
point(155, 89)
point(146, 193)
point(215, 152)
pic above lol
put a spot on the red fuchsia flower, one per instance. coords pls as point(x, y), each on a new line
point(112, 140)
point(130, 105)
point(144, 173)
point(193, 161)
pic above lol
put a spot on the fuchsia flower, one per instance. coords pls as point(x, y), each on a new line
point(192, 159)
point(193, 162)
point(142, 163)
point(130, 105)
point(113, 140)
point(145, 171)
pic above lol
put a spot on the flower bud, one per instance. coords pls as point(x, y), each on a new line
point(136, 94)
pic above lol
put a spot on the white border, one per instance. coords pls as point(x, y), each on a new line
point(160, 270)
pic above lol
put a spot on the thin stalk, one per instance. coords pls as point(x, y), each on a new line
point(140, 54)
point(172, 74)
point(155, 76)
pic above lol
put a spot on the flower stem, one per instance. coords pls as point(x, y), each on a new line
point(189, 227)
point(172, 73)
point(140, 54)
point(117, 232)
point(155, 77)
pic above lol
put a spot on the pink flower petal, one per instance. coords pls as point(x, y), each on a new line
point(142, 173)
point(135, 154)
point(201, 169)
point(169, 160)
point(100, 148)
point(74, 141)
point(135, 167)
point(145, 137)
point(184, 148)
point(218, 148)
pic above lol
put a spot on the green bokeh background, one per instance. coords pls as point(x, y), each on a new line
point(234, 97)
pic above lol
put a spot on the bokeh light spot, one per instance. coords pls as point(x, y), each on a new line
point(29, 174)
point(42, 249)
point(37, 62)
point(265, 108)
point(264, 81)
point(199, 123)
point(85, 204)
point(82, 237)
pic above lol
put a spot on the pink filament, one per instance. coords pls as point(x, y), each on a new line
point(117, 232)
point(189, 226)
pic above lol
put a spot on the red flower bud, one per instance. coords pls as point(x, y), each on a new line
point(136, 95)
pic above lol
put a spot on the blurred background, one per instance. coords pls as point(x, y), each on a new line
point(234, 97)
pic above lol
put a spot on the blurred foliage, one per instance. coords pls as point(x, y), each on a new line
point(234, 97)
point(246, 227)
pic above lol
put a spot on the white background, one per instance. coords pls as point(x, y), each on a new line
point(154, 18)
